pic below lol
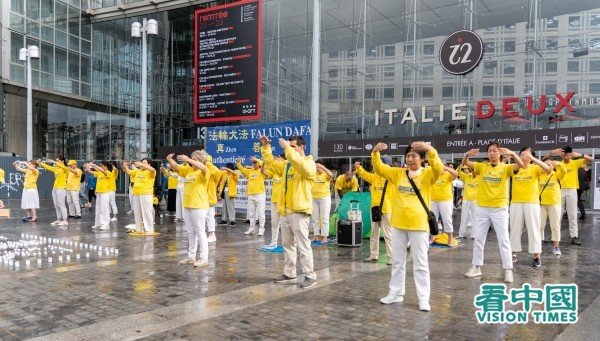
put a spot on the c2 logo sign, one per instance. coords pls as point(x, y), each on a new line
point(461, 52)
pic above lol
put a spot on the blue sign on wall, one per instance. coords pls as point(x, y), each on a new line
point(226, 143)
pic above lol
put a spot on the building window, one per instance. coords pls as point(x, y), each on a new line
point(370, 71)
point(389, 51)
point(351, 53)
point(351, 72)
point(508, 90)
point(407, 93)
point(408, 50)
point(447, 91)
point(333, 73)
point(427, 92)
point(573, 87)
point(509, 46)
point(573, 66)
point(594, 89)
point(551, 44)
point(489, 68)
point(509, 68)
point(594, 65)
point(334, 54)
point(575, 22)
point(528, 67)
point(550, 89)
point(333, 94)
point(388, 93)
point(488, 91)
point(350, 93)
point(427, 71)
point(552, 22)
point(428, 49)
point(388, 71)
point(551, 66)
point(467, 91)
point(369, 93)
point(371, 52)
point(489, 47)
point(574, 44)
point(595, 20)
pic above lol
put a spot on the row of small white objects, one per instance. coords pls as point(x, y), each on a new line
point(13, 253)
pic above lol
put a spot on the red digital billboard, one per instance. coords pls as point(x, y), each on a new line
point(227, 62)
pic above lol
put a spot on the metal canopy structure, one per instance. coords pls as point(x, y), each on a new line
point(386, 20)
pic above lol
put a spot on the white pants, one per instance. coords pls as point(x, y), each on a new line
point(498, 218)
point(553, 213)
point(59, 197)
point(130, 198)
point(102, 218)
point(528, 214)
point(73, 201)
point(569, 198)
point(256, 210)
point(467, 215)
point(113, 202)
point(443, 208)
point(384, 224)
point(274, 223)
point(143, 213)
point(195, 220)
point(210, 219)
point(178, 204)
point(419, 246)
point(294, 233)
point(320, 216)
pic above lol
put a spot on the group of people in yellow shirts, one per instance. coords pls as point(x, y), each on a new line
point(301, 197)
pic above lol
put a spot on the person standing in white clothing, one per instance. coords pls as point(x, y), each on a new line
point(256, 194)
point(321, 192)
point(467, 213)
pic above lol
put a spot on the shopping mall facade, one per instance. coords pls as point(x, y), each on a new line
point(377, 57)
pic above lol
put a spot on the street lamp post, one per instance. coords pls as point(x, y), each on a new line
point(25, 55)
point(141, 31)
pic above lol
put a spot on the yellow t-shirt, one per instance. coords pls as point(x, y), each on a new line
point(321, 188)
point(493, 184)
point(113, 183)
point(551, 194)
point(31, 177)
point(571, 179)
point(377, 183)
point(213, 183)
point(172, 182)
point(470, 185)
point(2, 180)
point(230, 181)
point(346, 186)
point(407, 211)
point(143, 181)
point(525, 185)
point(256, 180)
point(74, 180)
point(195, 188)
point(60, 175)
point(277, 190)
point(103, 181)
point(442, 188)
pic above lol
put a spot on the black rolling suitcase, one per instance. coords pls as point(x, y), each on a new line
point(349, 233)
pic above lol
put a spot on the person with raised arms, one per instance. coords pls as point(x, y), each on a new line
point(255, 189)
point(59, 189)
point(143, 178)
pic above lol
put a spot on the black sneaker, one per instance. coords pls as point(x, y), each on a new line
point(284, 279)
point(222, 222)
point(78, 217)
point(308, 282)
point(575, 241)
point(247, 221)
point(71, 216)
point(582, 217)
point(232, 223)
point(536, 263)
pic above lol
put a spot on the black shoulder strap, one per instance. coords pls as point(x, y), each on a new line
point(546, 184)
point(383, 195)
point(417, 192)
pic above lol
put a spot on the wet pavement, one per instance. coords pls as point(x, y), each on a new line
point(142, 292)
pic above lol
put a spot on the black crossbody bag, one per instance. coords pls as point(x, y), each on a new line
point(376, 210)
point(431, 219)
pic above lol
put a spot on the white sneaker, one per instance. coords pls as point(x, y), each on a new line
point(250, 231)
point(55, 223)
point(94, 227)
point(200, 262)
point(261, 232)
point(130, 211)
point(104, 228)
point(211, 237)
point(187, 261)
point(113, 219)
point(392, 298)
point(424, 306)
point(474, 271)
point(556, 251)
point(508, 276)
point(63, 223)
